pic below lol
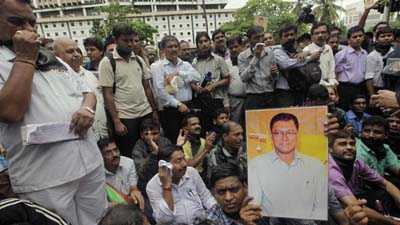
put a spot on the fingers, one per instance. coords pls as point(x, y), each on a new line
point(246, 201)
point(141, 202)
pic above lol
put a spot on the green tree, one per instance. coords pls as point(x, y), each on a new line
point(277, 12)
point(327, 11)
point(116, 13)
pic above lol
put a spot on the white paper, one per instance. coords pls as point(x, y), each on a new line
point(47, 133)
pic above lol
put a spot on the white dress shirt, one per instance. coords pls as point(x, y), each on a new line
point(298, 190)
point(191, 199)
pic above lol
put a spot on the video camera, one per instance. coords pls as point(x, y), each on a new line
point(306, 15)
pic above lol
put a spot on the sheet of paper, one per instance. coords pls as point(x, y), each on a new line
point(47, 133)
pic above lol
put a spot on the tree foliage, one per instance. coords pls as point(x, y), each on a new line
point(278, 12)
point(116, 13)
point(327, 11)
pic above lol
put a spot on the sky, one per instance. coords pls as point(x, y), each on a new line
point(239, 3)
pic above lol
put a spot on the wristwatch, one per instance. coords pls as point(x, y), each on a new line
point(89, 110)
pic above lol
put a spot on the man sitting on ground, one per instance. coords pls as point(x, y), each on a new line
point(121, 176)
point(178, 195)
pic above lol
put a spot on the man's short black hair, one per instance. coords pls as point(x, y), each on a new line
point(122, 214)
point(166, 152)
point(342, 134)
point(318, 92)
point(232, 39)
point(303, 37)
point(357, 97)
point(108, 41)
point(378, 24)
point(185, 119)
point(376, 121)
point(284, 117)
point(149, 124)
point(336, 28)
point(317, 25)
point(218, 112)
point(104, 142)
point(183, 41)
point(286, 28)
point(353, 30)
point(123, 29)
point(167, 38)
point(383, 30)
point(253, 30)
point(226, 170)
point(217, 31)
point(46, 41)
point(94, 41)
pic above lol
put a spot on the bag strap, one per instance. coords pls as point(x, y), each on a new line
point(124, 196)
point(114, 67)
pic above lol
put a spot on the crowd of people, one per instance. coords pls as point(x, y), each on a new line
point(156, 136)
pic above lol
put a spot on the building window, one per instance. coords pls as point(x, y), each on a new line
point(48, 34)
point(46, 26)
point(181, 33)
point(56, 34)
point(54, 25)
point(73, 32)
point(188, 25)
point(148, 19)
point(165, 34)
point(156, 19)
point(195, 17)
point(187, 17)
point(72, 24)
point(180, 25)
point(82, 32)
point(172, 18)
point(65, 33)
point(80, 23)
point(173, 25)
point(211, 24)
point(180, 17)
point(164, 26)
point(189, 33)
point(163, 18)
point(156, 26)
point(158, 35)
point(210, 16)
point(62, 25)
point(76, 41)
point(174, 34)
point(197, 25)
point(88, 23)
point(219, 15)
point(226, 15)
point(204, 24)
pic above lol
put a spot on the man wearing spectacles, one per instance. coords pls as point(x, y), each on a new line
point(292, 185)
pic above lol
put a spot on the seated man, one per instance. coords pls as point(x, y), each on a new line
point(178, 195)
point(219, 117)
point(196, 149)
point(146, 154)
point(231, 148)
point(121, 177)
point(372, 150)
point(123, 214)
point(356, 115)
point(349, 176)
point(393, 135)
point(229, 188)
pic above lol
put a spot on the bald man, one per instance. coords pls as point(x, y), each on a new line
point(69, 52)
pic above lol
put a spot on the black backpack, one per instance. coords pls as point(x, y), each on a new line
point(300, 79)
point(114, 66)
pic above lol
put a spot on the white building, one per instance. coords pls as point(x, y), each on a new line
point(182, 18)
point(354, 12)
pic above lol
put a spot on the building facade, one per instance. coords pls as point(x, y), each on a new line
point(182, 18)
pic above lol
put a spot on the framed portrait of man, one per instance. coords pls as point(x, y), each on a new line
point(287, 162)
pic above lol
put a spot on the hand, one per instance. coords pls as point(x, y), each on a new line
point(355, 213)
point(153, 146)
point(165, 177)
point(120, 128)
point(315, 55)
point(301, 56)
point(206, 89)
point(331, 127)
point(81, 121)
point(210, 138)
point(183, 109)
point(257, 50)
point(349, 128)
point(154, 115)
point(137, 198)
point(169, 77)
point(274, 71)
point(182, 138)
point(249, 214)
point(370, 4)
point(24, 40)
point(385, 99)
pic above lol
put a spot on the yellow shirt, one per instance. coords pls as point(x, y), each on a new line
point(187, 149)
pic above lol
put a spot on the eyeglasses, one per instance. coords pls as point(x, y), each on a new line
point(281, 133)
point(172, 46)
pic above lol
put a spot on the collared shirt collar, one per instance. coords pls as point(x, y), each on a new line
point(165, 62)
point(351, 115)
point(117, 56)
point(275, 156)
point(352, 50)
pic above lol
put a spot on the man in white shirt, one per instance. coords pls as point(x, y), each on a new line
point(178, 195)
point(319, 36)
point(67, 49)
